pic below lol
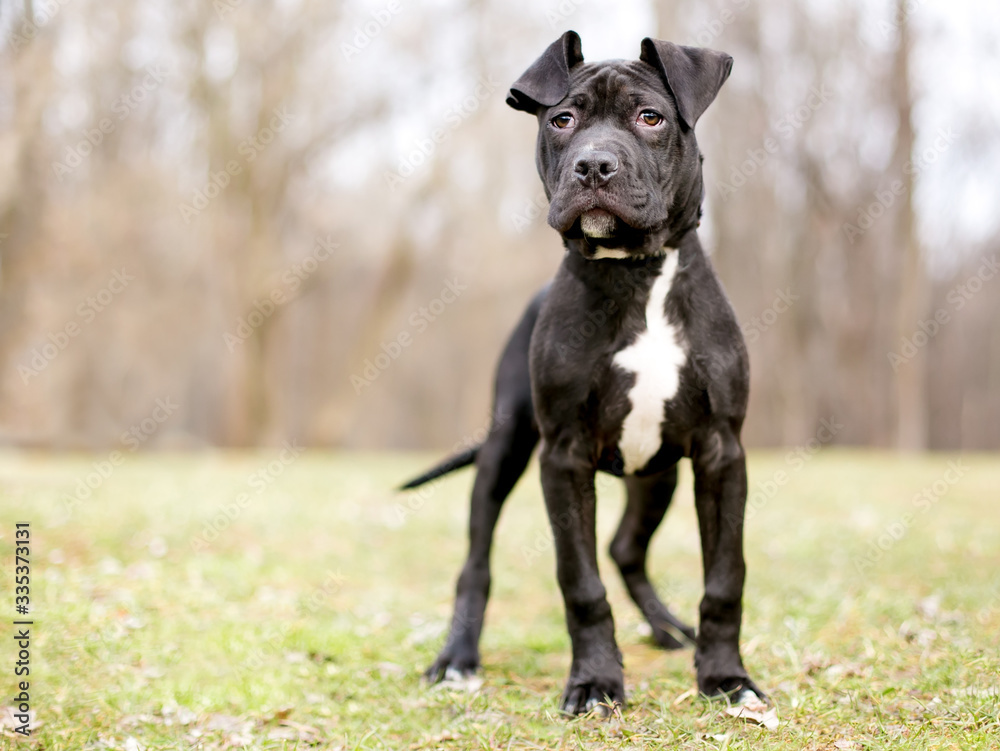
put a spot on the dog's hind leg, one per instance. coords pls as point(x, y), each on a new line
point(500, 461)
point(648, 500)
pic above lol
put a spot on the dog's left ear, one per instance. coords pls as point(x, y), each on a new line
point(693, 75)
point(546, 82)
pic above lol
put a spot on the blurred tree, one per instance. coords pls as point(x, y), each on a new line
point(211, 202)
point(911, 281)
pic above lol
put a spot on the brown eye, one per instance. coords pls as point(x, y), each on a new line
point(651, 118)
point(562, 121)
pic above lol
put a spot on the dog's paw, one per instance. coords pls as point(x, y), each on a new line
point(452, 668)
point(457, 680)
point(676, 635)
point(602, 696)
point(739, 691)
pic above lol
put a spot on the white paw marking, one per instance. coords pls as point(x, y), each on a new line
point(656, 358)
point(455, 680)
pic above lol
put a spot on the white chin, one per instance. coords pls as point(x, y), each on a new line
point(597, 224)
point(603, 253)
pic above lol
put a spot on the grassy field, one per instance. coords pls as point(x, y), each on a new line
point(265, 601)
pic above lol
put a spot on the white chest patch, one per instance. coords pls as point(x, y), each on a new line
point(656, 359)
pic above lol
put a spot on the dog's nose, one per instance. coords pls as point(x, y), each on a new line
point(595, 168)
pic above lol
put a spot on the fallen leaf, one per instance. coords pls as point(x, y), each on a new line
point(389, 669)
point(227, 723)
point(278, 715)
point(685, 696)
point(846, 670)
point(929, 607)
point(813, 662)
point(717, 737)
point(756, 711)
point(8, 722)
point(294, 731)
point(433, 740)
point(140, 719)
point(237, 741)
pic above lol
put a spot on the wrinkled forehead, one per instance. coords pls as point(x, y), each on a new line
point(617, 83)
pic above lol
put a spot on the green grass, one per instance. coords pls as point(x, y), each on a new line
point(307, 620)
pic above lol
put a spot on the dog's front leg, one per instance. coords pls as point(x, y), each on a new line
point(720, 497)
point(595, 678)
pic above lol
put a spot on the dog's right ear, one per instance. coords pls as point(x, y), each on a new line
point(546, 82)
point(693, 75)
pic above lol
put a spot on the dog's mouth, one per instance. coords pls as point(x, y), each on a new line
point(598, 224)
point(605, 234)
point(599, 218)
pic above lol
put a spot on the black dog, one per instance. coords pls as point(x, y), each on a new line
point(628, 361)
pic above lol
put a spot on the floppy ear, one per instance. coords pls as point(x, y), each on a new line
point(546, 82)
point(693, 75)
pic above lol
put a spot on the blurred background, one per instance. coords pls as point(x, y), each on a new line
point(236, 223)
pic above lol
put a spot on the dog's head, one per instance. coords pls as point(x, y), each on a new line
point(616, 146)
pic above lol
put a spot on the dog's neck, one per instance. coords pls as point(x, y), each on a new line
point(599, 249)
point(655, 245)
point(628, 280)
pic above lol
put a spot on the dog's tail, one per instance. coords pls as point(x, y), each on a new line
point(463, 459)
